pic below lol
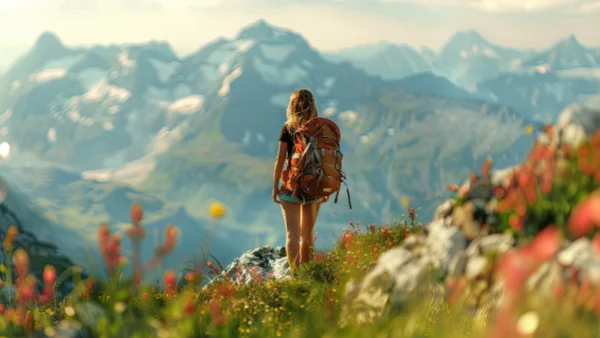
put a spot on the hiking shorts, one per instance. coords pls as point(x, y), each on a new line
point(286, 195)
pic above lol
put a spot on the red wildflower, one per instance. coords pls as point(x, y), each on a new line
point(190, 307)
point(596, 243)
point(452, 187)
point(215, 312)
point(49, 275)
point(170, 280)
point(190, 277)
point(486, 167)
point(472, 177)
point(547, 243)
point(411, 214)
point(585, 215)
point(137, 213)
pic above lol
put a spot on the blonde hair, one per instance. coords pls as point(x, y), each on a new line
point(301, 108)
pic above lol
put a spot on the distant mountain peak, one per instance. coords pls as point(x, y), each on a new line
point(261, 29)
point(48, 41)
point(570, 41)
point(470, 35)
point(385, 42)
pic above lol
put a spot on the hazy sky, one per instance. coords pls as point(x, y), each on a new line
point(327, 24)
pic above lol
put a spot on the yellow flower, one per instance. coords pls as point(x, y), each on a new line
point(529, 129)
point(70, 311)
point(405, 201)
point(217, 210)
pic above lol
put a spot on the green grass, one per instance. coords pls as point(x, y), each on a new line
point(311, 302)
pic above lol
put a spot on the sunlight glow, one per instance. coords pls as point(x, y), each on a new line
point(4, 148)
point(16, 3)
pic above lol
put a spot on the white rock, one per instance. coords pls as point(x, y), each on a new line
point(443, 243)
point(476, 266)
point(578, 252)
point(573, 135)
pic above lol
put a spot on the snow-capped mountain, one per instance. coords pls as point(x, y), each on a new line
point(545, 83)
point(536, 83)
point(468, 58)
point(77, 106)
point(205, 126)
point(566, 54)
point(385, 59)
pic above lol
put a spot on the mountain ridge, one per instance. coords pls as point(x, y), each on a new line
point(204, 127)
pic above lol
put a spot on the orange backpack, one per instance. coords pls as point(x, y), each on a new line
point(315, 168)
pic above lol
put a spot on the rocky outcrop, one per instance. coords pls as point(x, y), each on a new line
point(256, 266)
point(458, 245)
point(41, 253)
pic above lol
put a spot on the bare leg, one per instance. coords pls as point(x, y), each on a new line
point(309, 218)
point(291, 217)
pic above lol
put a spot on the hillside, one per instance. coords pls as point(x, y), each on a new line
point(44, 241)
point(75, 206)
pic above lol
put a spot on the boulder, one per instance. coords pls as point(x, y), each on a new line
point(257, 265)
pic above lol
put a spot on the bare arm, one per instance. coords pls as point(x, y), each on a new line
point(281, 157)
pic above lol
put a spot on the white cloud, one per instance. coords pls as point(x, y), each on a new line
point(506, 5)
point(590, 6)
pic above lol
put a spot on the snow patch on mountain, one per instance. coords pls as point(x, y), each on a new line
point(327, 85)
point(246, 138)
point(225, 86)
point(51, 135)
point(164, 69)
point(113, 109)
point(187, 105)
point(124, 59)
point(329, 82)
point(47, 75)
point(276, 75)
point(329, 112)
point(348, 116)
point(73, 115)
point(104, 91)
point(277, 53)
point(14, 86)
point(165, 138)
point(478, 50)
point(223, 68)
point(243, 45)
point(6, 115)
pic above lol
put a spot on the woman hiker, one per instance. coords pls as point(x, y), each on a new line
point(299, 216)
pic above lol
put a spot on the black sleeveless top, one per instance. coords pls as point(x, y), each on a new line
point(287, 137)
